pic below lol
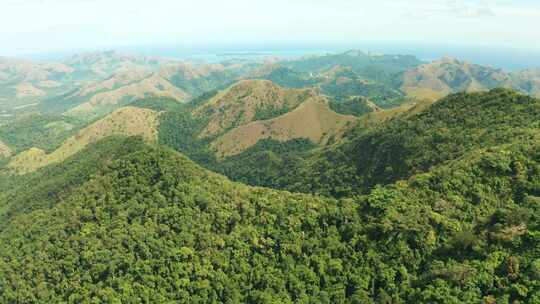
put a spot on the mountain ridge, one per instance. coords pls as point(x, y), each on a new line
point(126, 121)
point(312, 119)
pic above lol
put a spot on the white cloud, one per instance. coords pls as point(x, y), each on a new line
point(43, 25)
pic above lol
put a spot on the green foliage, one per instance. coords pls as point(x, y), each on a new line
point(356, 106)
point(158, 104)
point(457, 125)
point(42, 131)
point(377, 77)
point(289, 78)
point(361, 63)
point(47, 185)
point(261, 164)
point(61, 103)
point(180, 130)
point(199, 85)
point(151, 226)
point(381, 93)
point(273, 111)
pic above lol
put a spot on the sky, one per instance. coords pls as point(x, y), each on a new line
point(46, 26)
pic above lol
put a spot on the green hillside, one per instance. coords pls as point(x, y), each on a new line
point(312, 180)
point(353, 73)
point(452, 127)
point(360, 62)
point(406, 145)
point(44, 131)
point(148, 225)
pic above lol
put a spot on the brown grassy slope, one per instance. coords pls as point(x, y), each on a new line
point(239, 104)
point(5, 151)
point(28, 71)
point(406, 109)
point(440, 78)
point(103, 64)
point(313, 119)
point(115, 81)
point(154, 85)
point(129, 121)
point(188, 71)
point(26, 89)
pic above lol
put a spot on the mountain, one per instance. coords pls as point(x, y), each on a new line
point(101, 65)
point(528, 81)
point(125, 121)
point(340, 76)
point(24, 83)
point(342, 83)
point(228, 122)
point(29, 87)
point(439, 78)
point(247, 101)
point(24, 71)
point(283, 76)
point(147, 223)
point(311, 120)
point(406, 145)
point(123, 90)
point(352, 197)
point(197, 79)
point(362, 63)
point(136, 77)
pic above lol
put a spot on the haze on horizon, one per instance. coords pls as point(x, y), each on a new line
point(30, 27)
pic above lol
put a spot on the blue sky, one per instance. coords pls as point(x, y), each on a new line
point(38, 26)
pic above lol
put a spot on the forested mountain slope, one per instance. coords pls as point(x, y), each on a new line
point(451, 128)
point(228, 122)
point(44, 131)
point(148, 225)
point(407, 144)
point(128, 121)
point(428, 202)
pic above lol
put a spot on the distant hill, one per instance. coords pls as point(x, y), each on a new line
point(25, 71)
point(247, 101)
point(527, 81)
point(311, 120)
point(126, 121)
point(24, 83)
point(283, 76)
point(355, 105)
point(361, 63)
point(27, 86)
point(119, 90)
point(440, 78)
point(340, 76)
point(197, 79)
point(102, 64)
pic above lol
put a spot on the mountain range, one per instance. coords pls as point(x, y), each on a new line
point(343, 178)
